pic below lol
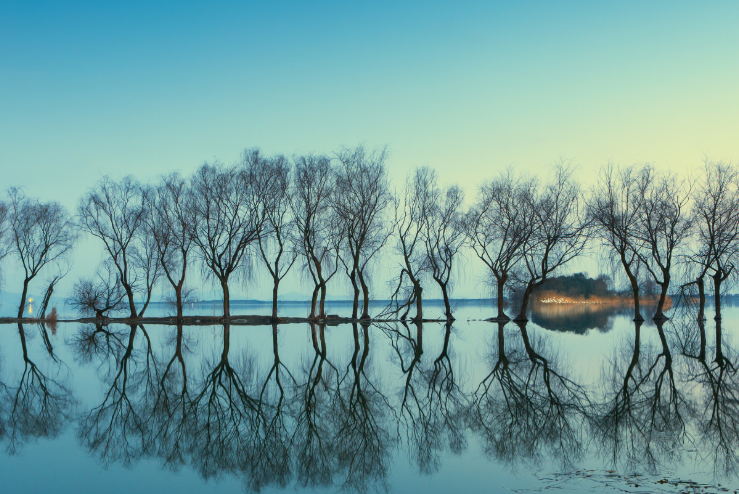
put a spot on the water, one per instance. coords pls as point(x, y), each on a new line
point(570, 398)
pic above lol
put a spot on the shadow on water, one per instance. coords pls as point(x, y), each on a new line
point(337, 414)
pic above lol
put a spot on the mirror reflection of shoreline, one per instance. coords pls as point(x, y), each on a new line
point(324, 420)
point(580, 318)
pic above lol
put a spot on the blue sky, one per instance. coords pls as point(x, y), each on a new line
point(92, 88)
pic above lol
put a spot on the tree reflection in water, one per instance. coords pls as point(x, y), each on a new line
point(117, 429)
point(713, 374)
point(273, 462)
point(640, 421)
point(669, 391)
point(525, 408)
point(37, 405)
point(431, 402)
point(169, 421)
point(312, 398)
point(225, 414)
point(361, 436)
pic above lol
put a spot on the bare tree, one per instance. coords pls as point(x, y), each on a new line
point(362, 195)
point(559, 231)
point(63, 267)
point(101, 294)
point(116, 212)
point(4, 243)
point(275, 240)
point(146, 263)
point(228, 218)
point(318, 237)
point(42, 234)
point(614, 211)
point(716, 221)
point(412, 210)
point(664, 225)
point(498, 227)
point(170, 227)
point(443, 237)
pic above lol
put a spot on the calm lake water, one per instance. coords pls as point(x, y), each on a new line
point(577, 399)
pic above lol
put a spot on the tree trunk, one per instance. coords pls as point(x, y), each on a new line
point(635, 290)
point(419, 303)
point(701, 299)
point(501, 299)
point(355, 305)
point(131, 302)
point(659, 314)
point(178, 299)
point(274, 299)
point(717, 294)
point(634, 286)
point(47, 297)
point(447, 305)
point(365, 293)
point(23, 298)
point(521, 317)
point(322, 306)
point(226, 298)
point(146, 303)
point(313, 302)
point(178, 289)
point(702, 330)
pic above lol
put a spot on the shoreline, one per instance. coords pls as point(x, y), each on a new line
point(240, 320)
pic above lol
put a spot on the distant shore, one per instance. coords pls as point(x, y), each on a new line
point(239, 320)
point(552, 298)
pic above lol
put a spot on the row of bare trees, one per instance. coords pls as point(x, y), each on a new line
point(330, 214)
point(264, 209)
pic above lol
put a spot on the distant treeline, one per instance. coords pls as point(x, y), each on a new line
point(578, 285)
point(334, 215)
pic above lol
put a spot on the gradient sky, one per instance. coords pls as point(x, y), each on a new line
point(93, 88)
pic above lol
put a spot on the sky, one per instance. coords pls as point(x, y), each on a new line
point(468, 88)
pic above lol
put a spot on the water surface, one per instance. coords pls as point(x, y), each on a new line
point(474, 405)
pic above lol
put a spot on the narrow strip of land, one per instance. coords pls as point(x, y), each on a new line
point(243, 320)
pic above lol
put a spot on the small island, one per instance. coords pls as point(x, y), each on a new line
point(579, 288)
